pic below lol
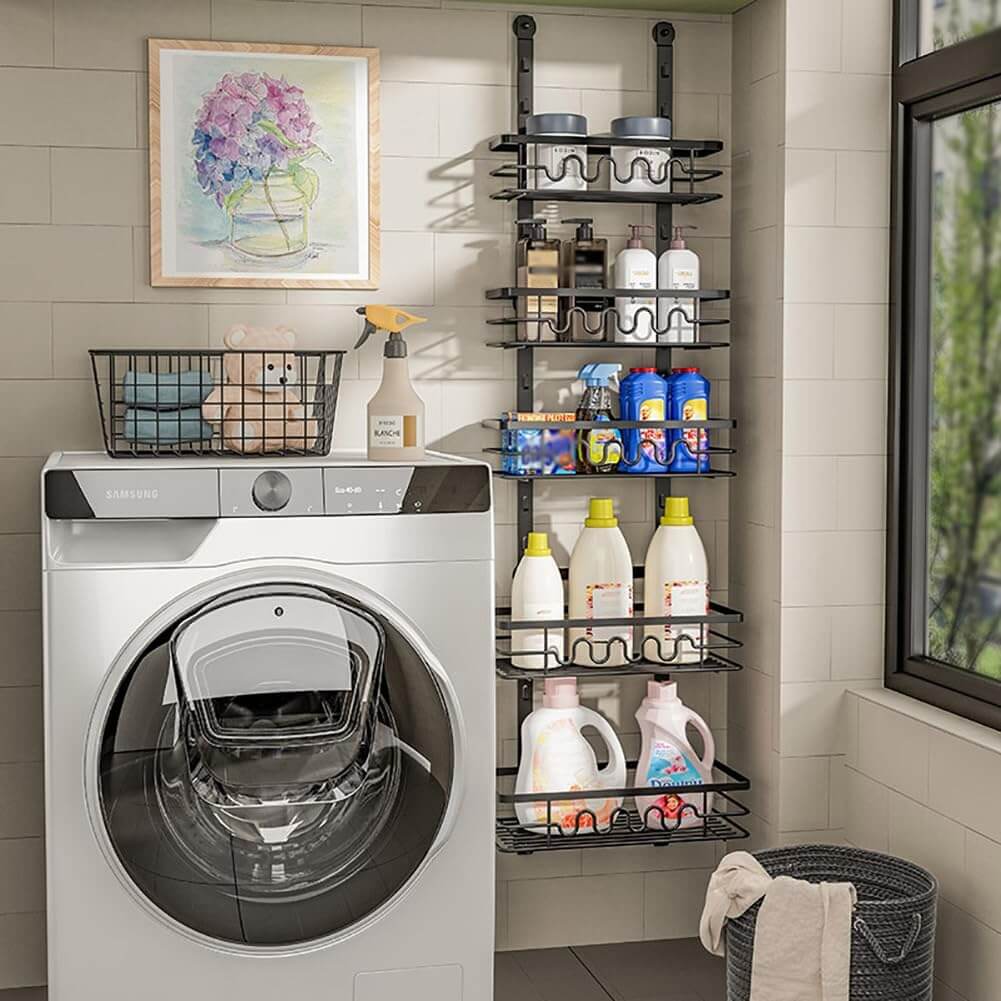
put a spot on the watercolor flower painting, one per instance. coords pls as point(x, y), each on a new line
point(264, 165)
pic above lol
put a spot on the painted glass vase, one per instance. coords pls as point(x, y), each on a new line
point(271, 219)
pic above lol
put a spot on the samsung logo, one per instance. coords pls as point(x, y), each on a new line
point(132, 493)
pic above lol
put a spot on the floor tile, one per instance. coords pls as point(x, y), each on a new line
point(510, 981)
point(557, 974)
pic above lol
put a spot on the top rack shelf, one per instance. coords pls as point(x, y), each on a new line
point(601, 145)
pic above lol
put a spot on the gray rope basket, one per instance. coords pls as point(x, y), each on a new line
point(893, 928)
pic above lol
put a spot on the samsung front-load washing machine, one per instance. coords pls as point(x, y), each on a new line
point(269, 712)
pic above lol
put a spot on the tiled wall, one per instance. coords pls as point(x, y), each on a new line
point(74, 251)
point(920, 784)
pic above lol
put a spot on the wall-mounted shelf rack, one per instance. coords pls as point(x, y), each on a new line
point(681, 177)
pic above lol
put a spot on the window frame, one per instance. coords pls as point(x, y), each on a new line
point(924, 89)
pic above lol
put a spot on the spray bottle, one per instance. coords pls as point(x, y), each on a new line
point(396, 412)
point(598, 450)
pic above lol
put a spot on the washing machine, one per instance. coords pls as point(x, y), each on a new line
point(269, 718)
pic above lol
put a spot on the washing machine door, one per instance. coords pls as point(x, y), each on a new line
point(276, 765)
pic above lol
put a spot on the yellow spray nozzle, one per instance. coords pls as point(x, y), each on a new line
point(392, 319)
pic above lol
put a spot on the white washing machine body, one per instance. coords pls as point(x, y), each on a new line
point(374, 885)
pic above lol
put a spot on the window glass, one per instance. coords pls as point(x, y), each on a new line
point(945, 22)
point(964, 451)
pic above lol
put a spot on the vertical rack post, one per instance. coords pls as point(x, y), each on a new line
point(663, 36)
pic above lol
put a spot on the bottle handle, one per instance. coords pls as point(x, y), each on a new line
point(694, 720)
point(613, 775)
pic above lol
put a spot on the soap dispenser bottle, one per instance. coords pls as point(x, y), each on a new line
point(396, 412)
point(583, 265)
point(635, 268)
point(599, 450)
point(678, 269)
point(537, 266)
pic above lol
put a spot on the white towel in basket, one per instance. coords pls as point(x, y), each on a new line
point(802, 937)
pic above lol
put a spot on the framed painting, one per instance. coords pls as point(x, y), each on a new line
point(264, 165)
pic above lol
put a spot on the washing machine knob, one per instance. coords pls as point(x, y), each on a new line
point(271, 491)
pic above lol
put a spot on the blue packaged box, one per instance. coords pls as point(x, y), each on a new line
point(538, 451)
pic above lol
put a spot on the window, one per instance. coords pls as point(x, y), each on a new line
point(944, 531)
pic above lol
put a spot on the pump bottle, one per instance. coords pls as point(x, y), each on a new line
point(678, 269)
point(635, 268)
point(395, 430)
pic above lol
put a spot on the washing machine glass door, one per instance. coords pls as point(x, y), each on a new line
point(276, 766)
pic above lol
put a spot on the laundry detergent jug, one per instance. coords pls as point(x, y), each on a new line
point(556, 757)
point(669, 762)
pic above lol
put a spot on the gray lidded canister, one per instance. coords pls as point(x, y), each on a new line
point(559, 164)
point(641, 168)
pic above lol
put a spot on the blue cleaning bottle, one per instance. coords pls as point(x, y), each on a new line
point(689, 400)
point(598, 450)
point(643, 397)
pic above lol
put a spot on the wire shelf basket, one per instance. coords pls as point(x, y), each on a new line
point(200, 402)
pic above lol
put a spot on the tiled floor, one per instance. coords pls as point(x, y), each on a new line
point(679, 970)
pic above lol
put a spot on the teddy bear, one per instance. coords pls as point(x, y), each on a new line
point(257, 406)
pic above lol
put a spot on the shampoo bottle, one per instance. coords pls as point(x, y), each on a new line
point(396, 412)
point(537, 266)
point(583, 265)
point(669, 762)
point(678, 269)
point(556, 757)
point(635, 268)
point(537, 593)
point(676, 582)
point(601, 587)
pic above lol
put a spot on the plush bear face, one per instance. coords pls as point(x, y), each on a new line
point(259, 358)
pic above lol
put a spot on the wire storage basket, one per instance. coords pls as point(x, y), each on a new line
point(202, 402)
point(893, 927)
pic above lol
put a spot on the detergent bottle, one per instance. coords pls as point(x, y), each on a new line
point(643, 397)
point(396, 413)
point(669, 762)
point(598, 450)
point(556, 757)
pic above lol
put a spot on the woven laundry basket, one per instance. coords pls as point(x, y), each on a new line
point(893, 929)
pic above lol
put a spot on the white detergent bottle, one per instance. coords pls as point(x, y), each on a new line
point(556, 757)
point(601, 587)
point(537, 593)
point(669, 761)
point(676, 582)
point(678, 268)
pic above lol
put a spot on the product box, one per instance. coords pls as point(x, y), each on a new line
point(538, 451)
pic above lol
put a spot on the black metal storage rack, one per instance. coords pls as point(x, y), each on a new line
point(715, 821)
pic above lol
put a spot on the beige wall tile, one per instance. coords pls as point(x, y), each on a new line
point(537, 911)
point(809, 498)
point(861, 486)
point(25, 192)
point(673, 902)
point(863, 197)
point(22, 875)
point(21, 650)
point(21, 733)
point(647, 859)
point(806, 644)
point(465, 265)
point(982, 879)
point(811, 717)
point(37, 418)
point(955, 782)
point(22, 949)
point(804, 793)
point(27, 337)
point(894, 750)
point(20, 578)
point(857, 636)
point(838, 417)
point(967, 954)
point(868, 817)
point(861, 334)
point(838, 779)
point(20, 501)
point(931, 840)
point(808, 341)
point(44, 263)
point(26, 39)
point(813, 35)
point(810, 187)
point(101, 187)
point(500, 916)
point(836, 265)
point(469, 115)
point(866, 46)
point(702, 57)
point(68, 108)
point(595, 52)
point(540, 865)
point(272, 21)
point(768, 29)
point(832, 568)
point(409, 113)
point(22, 795)
point(439, 46)
point(111, 34)
point(77, 327)
point(837, 111)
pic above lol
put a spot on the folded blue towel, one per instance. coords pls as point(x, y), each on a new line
point(165, 427)
point(166, 390)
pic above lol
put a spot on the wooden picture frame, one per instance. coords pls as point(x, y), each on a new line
point(244, 191)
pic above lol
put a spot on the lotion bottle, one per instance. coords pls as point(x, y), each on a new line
point(676, 582)
point(678, 269)
point(537, 593)
point(635, 268)
point(556, 757)
point(601, 587)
